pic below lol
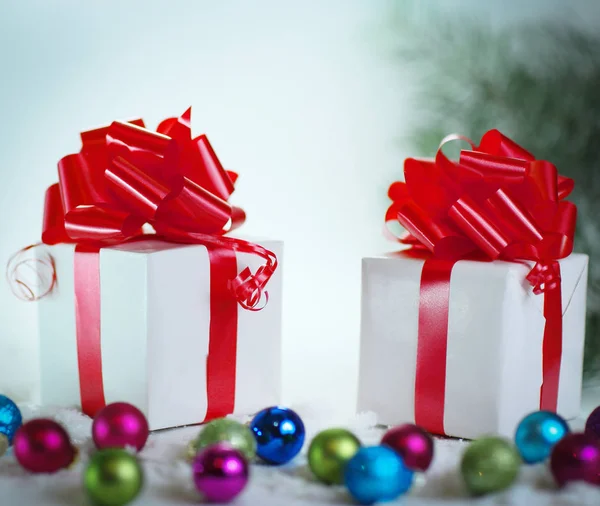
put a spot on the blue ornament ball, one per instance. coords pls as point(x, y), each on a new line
point(279, 434)
point(10, 418)
point(377, 473)
point(537, 434)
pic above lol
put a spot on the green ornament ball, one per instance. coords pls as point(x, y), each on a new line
point(490, 464)
point(329, 452)
point(113, 477)
point(225, 430)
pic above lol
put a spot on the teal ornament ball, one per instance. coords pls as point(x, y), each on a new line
point(10, 418)
point(537, 434)
point(377, 473)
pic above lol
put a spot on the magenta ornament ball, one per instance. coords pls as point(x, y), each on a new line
point(576, 457)
point(43, 446)
point(120, 425)
point(220, 472)
point(414, 445)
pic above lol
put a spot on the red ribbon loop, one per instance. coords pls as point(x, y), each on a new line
point(126, 175)
point(544, 276)
point(497, 200)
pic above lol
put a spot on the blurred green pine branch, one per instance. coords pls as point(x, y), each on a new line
point(538, 84)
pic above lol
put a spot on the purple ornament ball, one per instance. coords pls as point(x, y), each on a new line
point(220, 472)
point(592, 426)
point(576, 457)
point(414, 445)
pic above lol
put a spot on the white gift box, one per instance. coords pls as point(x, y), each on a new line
point(494, 348)
point(155, 317)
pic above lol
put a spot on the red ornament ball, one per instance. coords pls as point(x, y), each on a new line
point(43, 446)
point(120, 425)
point(414, 445)
point(576, 457)
point(592, 425)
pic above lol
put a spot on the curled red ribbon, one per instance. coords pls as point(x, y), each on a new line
point(126, 176)
point(496, 202)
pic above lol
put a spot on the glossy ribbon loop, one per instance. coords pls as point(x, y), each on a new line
point(497, 200)
point(126, 176)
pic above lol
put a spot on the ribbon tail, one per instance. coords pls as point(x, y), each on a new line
point(87, 321)
point(430, 380)
point(222, 348)
point(551, 348)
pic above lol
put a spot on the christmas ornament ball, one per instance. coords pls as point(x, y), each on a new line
point(414, 445)
point(376, 473)
point(113, 477)
point(10, 418)
point(279, 434)
point(537, 434)
point(489, 464)
point(576, 458)
point(329, 452)
point(238, 435)
point(220, 472)
point(43, 446)
point(592, 425)
point(120, 425)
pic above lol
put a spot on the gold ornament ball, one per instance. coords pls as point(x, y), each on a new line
point(113, 477)
point(329, 452)
point(489, 465)
point(225, 430)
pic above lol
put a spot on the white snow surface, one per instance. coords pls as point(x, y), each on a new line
point(168, 478)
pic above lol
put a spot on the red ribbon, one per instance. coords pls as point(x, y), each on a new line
point(496, 203)
point(125, 177)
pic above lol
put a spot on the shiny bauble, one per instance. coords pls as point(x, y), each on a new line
point(489, 465)
point(120, 425)
point(414, 445)
point(10, 418)
point(576, 458)
point(220, 472)
point(376, 473)
point(236, 434)
point(279, 434)
point(113, 477)
point(537, 434)
point(592, 425)
point(329, 452)
point(43, 446)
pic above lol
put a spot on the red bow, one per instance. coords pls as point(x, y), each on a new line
point(497, 201)
point(126, 176)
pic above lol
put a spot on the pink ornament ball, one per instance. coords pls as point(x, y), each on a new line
point(43, 446)
point(120, 425)
point(576, 457)
point(220, 472)
point(414, 445)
